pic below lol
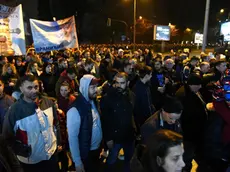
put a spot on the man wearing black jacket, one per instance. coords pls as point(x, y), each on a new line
point(166, 118)
point(193, 119)
point(117, 120)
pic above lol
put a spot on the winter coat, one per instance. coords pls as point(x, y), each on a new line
point(194, 115)
point(117, 116)
point(154, 123)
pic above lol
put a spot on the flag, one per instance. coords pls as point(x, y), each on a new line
point(12, 35)
point(55, 35)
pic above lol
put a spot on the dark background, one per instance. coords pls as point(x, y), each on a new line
point(92, 15)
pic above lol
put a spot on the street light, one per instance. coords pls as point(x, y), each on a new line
point(134, 22)
point(222, 11)
point(188, 30)
point(140, 17)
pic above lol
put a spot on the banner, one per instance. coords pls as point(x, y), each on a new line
point(198, 38)
point(12, 35)
point(56, 35)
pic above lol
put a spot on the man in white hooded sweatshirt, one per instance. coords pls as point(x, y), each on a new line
point(84, 127)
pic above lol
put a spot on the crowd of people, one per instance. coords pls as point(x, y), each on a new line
point(82, 109)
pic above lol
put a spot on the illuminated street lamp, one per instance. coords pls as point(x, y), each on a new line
point(140, 17)
point(222, 11)
point(188, 30)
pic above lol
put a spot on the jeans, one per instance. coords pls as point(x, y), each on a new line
point(92, 163)
point(113, 153)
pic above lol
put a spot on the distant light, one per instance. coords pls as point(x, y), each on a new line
point(140, 17)
point(222, 11)
point(188, 30)
point(226, 19)
point(54, 18)
point(219, 21)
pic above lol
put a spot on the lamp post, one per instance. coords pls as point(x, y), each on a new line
point(134, 22)
point(205, 32)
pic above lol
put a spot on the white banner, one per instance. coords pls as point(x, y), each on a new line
point(54, 35)
point(12, 35)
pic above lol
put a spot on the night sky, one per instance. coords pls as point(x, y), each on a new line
point(183, 13)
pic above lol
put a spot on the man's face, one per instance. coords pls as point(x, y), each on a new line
point(64, 64)
point(146, 51)
point(157, 66)
point(128, 69)
point(205, 68)
point(222, 67)
point(87, 55)
point(30, 90)
point(1, 88)
point(194, 62)
point(9, 70)
point(169, 65)
point(121, 53)
point(19, 62)
point(170, 118)
point(120, 84)
point(48, 69)
point(92, 91)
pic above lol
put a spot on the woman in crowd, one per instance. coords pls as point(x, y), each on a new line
point(9, 77)
point(32, 69)
point(48, 79)
point(163, 153)
point(63, 102)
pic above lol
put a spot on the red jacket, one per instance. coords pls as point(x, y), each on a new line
point(224, 111)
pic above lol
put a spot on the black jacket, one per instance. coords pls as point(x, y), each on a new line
point(194, 115)
point(117, 116)
point(153, 124)
point(49, 81)
point(144, 107)
point(8, 161)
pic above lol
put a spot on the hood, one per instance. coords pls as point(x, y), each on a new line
point(84, 85)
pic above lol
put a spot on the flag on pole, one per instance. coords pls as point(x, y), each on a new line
point(55, 35)
point(12, 35)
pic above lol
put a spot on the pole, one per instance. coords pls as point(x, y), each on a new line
point(206, 25)
point(134, 22)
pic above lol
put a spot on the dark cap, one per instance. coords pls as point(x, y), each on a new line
point(194, 58)
point(95, 81)
point(172, 105)
point(194, 79)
